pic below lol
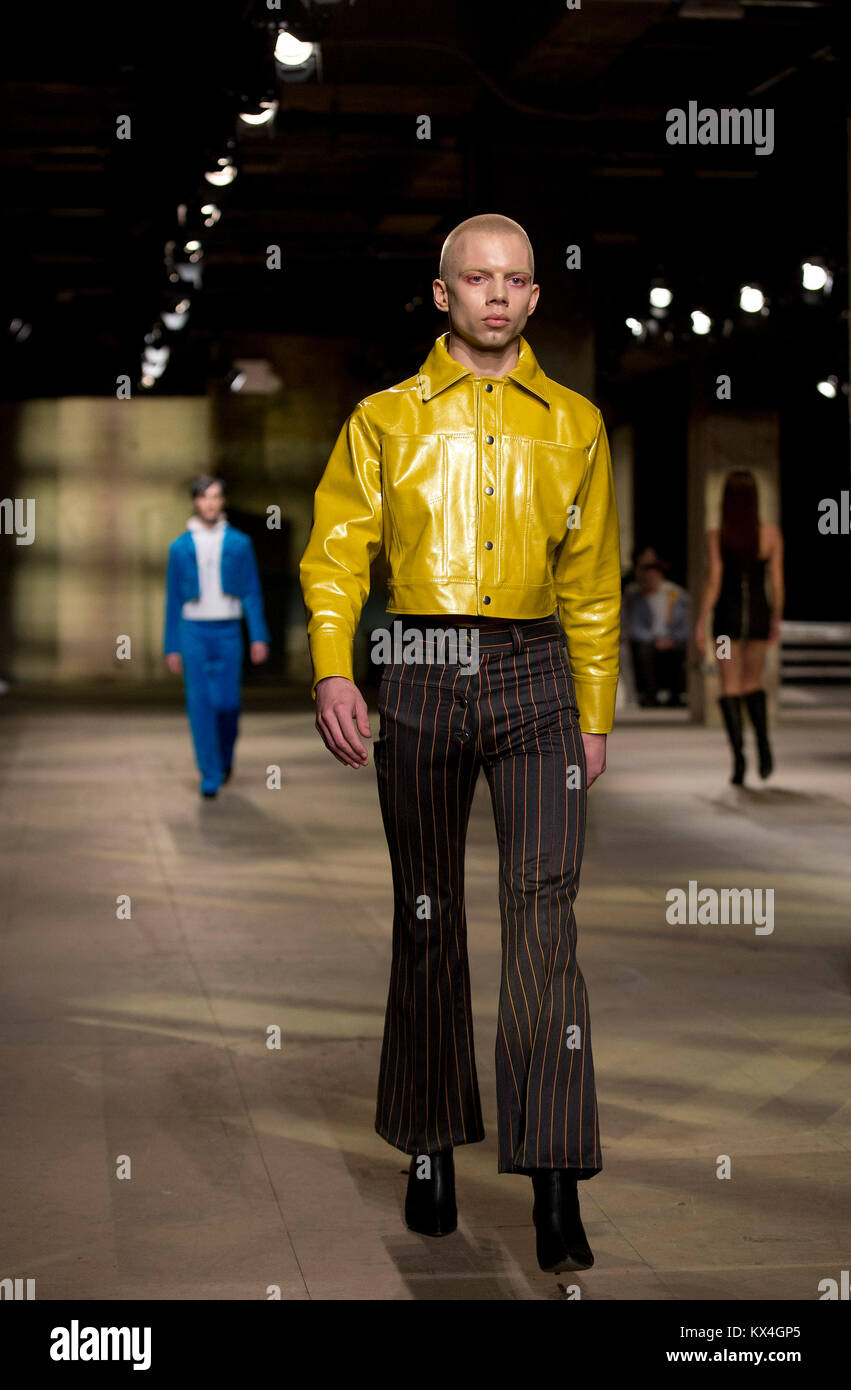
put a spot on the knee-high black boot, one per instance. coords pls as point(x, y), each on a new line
point(732, 711)
point(755, 701)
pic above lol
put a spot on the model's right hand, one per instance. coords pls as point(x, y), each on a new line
point(339, 708)
point(174, 662)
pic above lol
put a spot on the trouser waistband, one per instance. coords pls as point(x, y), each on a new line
point(510, 635)
point(214, 623)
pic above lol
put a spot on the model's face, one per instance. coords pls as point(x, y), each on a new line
point(211, 503)
point(489, 294)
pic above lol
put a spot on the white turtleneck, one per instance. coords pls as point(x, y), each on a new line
point(213, 602)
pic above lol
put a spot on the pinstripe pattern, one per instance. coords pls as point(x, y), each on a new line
point(516, 717)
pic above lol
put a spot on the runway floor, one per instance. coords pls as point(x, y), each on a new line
point(144, 1039)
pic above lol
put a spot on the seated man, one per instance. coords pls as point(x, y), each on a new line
point(656, 622)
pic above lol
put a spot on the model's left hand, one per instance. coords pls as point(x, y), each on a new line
point(259, 653)
point(595, 755)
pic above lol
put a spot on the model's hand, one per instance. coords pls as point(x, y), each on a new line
point(339, 708)
point(595, 755)
point(664, 644)
point(259, 653)
point(174, 662)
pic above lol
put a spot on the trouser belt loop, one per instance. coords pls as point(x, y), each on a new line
point(517, 637)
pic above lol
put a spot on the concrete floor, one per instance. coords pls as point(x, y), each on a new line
point(254, 1167)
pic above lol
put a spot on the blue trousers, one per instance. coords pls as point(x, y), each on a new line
point(212, 672)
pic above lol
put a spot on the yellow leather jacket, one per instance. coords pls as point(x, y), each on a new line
point(490, 495)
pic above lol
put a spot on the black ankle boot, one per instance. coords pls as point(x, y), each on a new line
point(430, 1202)
point(561, 1240)
point(731, 709)
point(755, 701)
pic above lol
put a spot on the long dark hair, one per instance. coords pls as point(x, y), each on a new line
point(740, 514)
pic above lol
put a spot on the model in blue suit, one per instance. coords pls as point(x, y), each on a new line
point(211, 584)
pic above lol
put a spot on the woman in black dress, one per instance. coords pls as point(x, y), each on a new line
point(738, 554)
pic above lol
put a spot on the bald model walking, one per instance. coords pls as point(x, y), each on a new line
point(490, 487)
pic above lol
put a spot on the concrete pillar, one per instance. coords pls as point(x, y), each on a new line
point(108, 478)
point(622, 443)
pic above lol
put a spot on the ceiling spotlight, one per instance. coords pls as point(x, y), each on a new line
point(635, 326)
point(176, 313)
point(223, 174)
point(291, 52)
point(146, 380)
point(816, 276)
point(238, 381)
point(210, 213)
point(297, 60)
point(262, 113)
point(751, 299)
point(20, 330)
point(660, 295)
point(828, 387)
point(700, 322)
point(154, 360)
point(181, 266)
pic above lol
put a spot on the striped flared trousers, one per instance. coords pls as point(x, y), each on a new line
point(439, 723)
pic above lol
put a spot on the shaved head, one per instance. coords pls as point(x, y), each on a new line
point(484, 222)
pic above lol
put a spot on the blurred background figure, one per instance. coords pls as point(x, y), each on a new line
point(212, 583)
point(656, 622)
point(744, 618)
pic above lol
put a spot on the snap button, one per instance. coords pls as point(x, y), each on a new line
point(488, 387)
point(489, 439)
point(489, 490)
point(486, 599)
point(488, 545)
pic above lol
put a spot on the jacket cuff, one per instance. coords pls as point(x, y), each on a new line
point(258, 632)
point(331, 654)
point(596, 702)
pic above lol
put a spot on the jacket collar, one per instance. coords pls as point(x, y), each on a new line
point(441, 370)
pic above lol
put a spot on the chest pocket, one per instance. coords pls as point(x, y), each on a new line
point(556, 472)
point(416, 507)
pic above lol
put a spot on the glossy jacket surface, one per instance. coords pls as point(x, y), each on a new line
point(490, 495)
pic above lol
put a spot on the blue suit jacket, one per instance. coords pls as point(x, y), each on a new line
point(239, 577)
point(638, 618)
